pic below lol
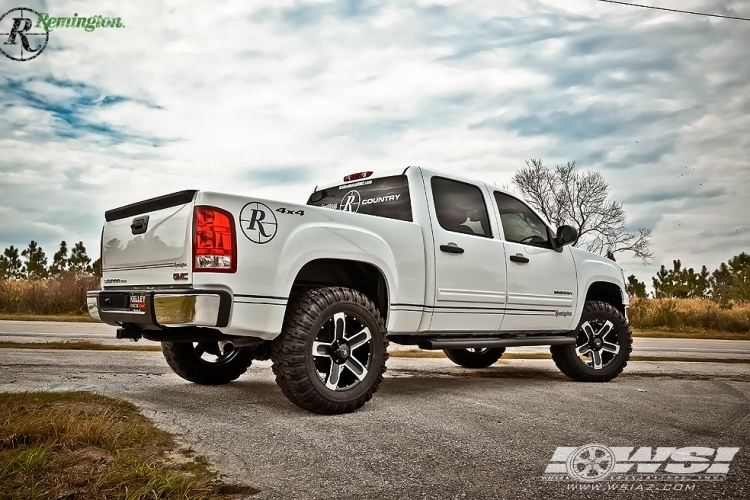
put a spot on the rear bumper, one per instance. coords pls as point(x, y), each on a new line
point(162, 308)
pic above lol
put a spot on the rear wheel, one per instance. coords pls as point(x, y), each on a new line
point(475, 358)
point(204, 362)
point(603, 345)
point(331, 354)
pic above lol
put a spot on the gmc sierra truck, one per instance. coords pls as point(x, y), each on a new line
point(418, 258)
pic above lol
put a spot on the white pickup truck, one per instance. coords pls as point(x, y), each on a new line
point(419, 258)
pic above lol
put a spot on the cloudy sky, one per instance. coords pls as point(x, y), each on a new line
point(272, 99)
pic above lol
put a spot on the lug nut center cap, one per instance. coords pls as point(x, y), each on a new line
point(597, 343)
point(343, 351)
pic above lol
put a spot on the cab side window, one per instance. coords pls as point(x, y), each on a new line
point(460, 207)
point(520, 224)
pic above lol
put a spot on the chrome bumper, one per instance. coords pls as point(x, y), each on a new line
point(162, 308)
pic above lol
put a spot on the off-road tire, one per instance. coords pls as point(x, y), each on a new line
point(570, 363)
point(471, 359)
point(291, 351)
point(185, 362)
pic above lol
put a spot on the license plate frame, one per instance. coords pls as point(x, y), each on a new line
point(137, 302)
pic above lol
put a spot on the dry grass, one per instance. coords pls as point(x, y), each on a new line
point(690, 334)
point(80, 345)
point(64, 318)
point(65, 295)
point(80, 445)
point(691, 316)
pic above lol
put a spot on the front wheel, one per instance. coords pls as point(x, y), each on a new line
point(603, 345)
point(330, 356)
point(475, 358)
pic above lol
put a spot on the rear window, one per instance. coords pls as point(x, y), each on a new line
point(383, 197)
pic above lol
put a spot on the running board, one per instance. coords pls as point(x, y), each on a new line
point(469, 343)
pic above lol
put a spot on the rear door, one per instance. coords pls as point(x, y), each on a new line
point(469, 259)
point(542, 283)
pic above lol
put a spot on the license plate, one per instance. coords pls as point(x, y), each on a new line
point(138, 301)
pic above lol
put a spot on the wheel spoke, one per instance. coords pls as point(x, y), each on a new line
point(597, 359)
point(333, 376)
point(599, 469)
point(339, 323)
point(199, 350)
point(356, 368)
point(610, 347)
point(588, 330)
point(583, 350)
point(321, 349)
point(359, 339)
point(606, 329)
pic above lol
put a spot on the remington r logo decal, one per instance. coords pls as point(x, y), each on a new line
point(258, 222)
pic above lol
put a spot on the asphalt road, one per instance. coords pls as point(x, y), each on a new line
point(433, 430)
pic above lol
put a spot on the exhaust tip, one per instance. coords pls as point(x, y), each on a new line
point(227, 348)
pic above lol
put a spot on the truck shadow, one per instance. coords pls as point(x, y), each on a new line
point(255, 395)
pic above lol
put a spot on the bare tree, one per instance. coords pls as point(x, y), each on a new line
point(580, 199)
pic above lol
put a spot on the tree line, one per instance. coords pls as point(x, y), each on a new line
point(730, 281)
point(32, 263)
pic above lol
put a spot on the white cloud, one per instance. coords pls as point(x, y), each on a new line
point(271, 99)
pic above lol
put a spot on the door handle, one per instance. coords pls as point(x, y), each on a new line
point(519, 258)
point(453, 248)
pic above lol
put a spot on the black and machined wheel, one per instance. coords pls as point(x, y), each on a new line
point(206, 363)
point(475, 358)
point(331, 353)
point(603, 345)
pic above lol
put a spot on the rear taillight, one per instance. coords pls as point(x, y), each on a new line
point(214, 241)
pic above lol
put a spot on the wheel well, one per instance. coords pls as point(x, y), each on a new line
point(359, 276)
point(606, 292)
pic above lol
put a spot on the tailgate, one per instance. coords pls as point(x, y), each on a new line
point(149, 242)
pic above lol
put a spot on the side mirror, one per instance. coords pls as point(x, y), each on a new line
point(567, 235)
